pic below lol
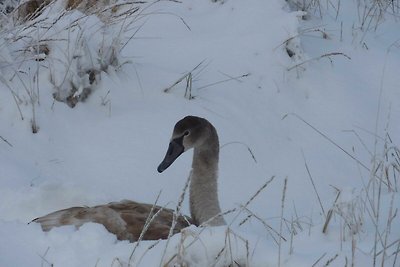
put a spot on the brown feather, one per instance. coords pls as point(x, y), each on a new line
point(125, 219)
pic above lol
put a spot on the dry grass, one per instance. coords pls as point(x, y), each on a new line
point(281, 221)
point(5, 141)
point(37, 42)
point(372, 206)
point(191, 76)
point(232, 238)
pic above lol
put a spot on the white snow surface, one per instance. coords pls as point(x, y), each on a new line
point(327, 118)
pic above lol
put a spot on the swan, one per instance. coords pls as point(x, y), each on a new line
point(126, 219)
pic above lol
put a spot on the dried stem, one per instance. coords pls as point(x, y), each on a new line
point(176, 214)
point(281, 223)
point(253, 197)
point(329, 139)
point(248, 148)
point(328, 55)
point(149, 220)
point(5, 140)
point(315, 188)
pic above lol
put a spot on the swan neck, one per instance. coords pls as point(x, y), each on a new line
point(204, 203)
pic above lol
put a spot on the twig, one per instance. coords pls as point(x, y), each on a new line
point(293, 232)
point(318, 260)
point(44, 260)
point(5, 140)
point(267, 226)
point(166, 90)
point(259, 190)
point(175, 216)
point(390, 218)
point(328, 55)
point(248, 148)
point(188, 89)
point(303, 32)
point(175, 15)
point(297, 217)
point(396, 253)
point(313, 184)
point(149, 220)
point(330, 213)
point(253, 197)
point(223, 81)
point(377, 218)
point(360, 140)
point(131, 37)
point(331, 260)
point(328, 138)
point(242, 208)
point(281, 223)
point(231, 77)
point(388, 246)
point(147, 250)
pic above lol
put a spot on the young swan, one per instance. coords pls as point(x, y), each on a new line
point(126, 219)
point(199, 134)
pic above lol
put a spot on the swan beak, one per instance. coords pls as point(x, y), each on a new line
point(175, 149)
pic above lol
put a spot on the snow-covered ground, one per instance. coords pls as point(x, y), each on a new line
point(326, 120)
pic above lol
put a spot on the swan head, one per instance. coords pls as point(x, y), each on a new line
point(189, 132)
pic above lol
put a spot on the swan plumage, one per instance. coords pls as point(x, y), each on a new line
point(126, 219)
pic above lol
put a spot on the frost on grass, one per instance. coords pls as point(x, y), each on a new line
point(69, 44)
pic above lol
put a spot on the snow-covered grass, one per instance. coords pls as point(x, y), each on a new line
point(306, 104)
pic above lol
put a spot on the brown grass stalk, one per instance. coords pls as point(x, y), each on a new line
point(281, 223)
point(327, 55)
point(176, 214)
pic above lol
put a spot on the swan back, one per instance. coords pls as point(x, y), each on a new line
point(125, 219)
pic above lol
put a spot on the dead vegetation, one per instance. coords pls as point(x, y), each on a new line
point(72, 42)
point(30, 9)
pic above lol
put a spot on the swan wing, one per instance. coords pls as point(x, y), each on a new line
point(125, 219)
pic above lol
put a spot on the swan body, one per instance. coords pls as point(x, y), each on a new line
point(126, 219)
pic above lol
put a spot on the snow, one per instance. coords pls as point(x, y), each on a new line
point(108, 147)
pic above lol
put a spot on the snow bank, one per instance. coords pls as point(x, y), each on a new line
point(307, 117)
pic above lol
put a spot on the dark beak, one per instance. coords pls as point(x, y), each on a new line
point(175, 149)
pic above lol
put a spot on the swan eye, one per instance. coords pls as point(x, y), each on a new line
point(186, 133)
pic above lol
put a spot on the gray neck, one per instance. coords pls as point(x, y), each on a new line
point(203, 186)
